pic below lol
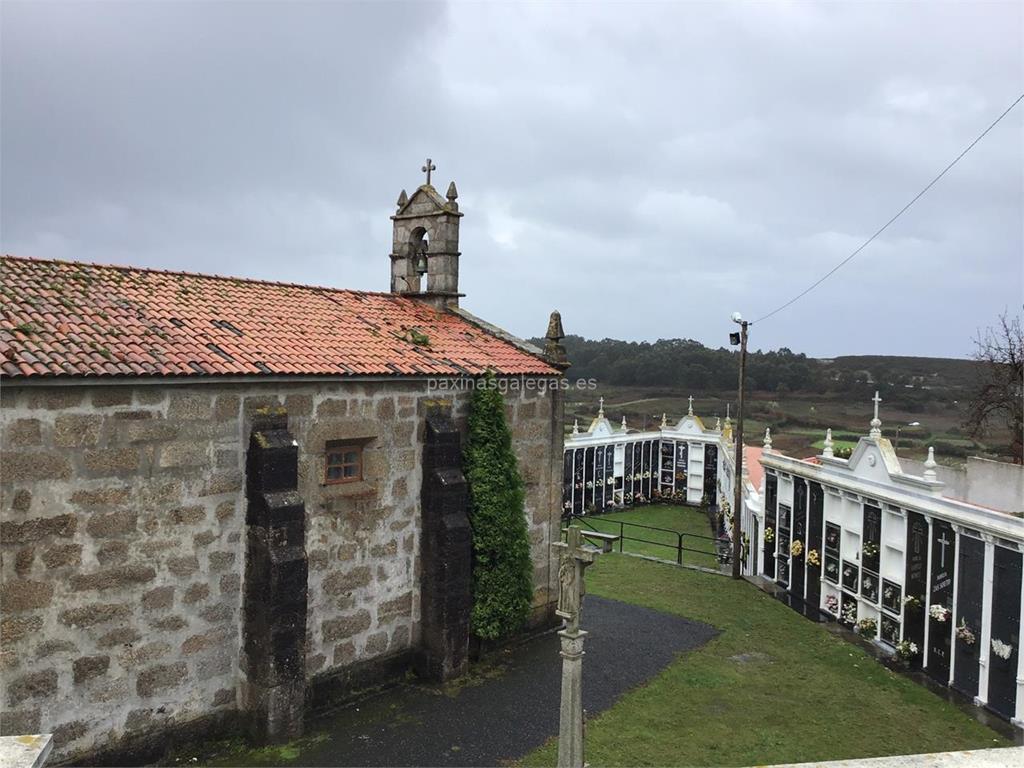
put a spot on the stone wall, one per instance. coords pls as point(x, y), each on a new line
point(122, 541)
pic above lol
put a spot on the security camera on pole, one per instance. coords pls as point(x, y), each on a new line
point(737, 504)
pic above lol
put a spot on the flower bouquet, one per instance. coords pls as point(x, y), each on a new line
point(850, 613)
point(832, 605)
point(912, 603)
point(869, 549)
point(940, 613)
point(964, 633)
point(812, 557)
point(1001, 649)
point(905, 650)
point(796, 548)
point(769, 535)
point(868, 628)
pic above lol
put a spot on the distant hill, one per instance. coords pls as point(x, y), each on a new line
point(688, 364)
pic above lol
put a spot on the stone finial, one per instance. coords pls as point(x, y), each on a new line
point(827, 450)
point(624, 423)
point(689, 411)
point(575, 426)
point(876, 423)
point(929, 466)
point(767, 438)
point(718, 423)
point(403, 198)
point(664, 421)
point(553, 349)
point(600, 407)
point(452, 194)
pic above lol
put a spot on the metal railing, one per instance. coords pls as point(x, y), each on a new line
point(718, 550)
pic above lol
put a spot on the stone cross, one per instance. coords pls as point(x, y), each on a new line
point(574, 559)
point(876, 423)
point(600, 407)
point(945, 543)
point(428, 168)
point(689, 412)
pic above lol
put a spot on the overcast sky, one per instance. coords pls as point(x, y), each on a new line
point(645, 169)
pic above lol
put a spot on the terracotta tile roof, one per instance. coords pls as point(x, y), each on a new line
point(64, 318)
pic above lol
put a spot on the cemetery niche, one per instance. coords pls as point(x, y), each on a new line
point(931, 579)
point(613, 466)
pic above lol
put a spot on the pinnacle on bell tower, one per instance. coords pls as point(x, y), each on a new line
point(425, 244)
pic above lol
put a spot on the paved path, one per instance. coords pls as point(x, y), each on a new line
point(508, 708)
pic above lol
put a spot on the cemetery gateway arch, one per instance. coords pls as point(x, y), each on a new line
point(924, 560)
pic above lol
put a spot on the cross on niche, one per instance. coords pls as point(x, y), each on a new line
point(428, 168)
point(876, 400)
point(942, 555)
point(690, 409)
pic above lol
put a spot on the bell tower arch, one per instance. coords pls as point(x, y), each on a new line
point(425, 244)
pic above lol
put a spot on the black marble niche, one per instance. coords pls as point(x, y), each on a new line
point(578, 482)
point(627, 469)
point(871, 543)
point(833, 536)
point(832, 568)
point(588, 479)
point(682, 456)
point(892, 596)
point(1002, 673)
point(710, 472)
point(889, 630)
point(567, 480)
point(599, 478)
point(869, 586)
point(850, 575)
point(815, 520)
point(940, 633)
point(649, 467)
point(771, 497)
point(916, 583)
point(969, 590)
point(668, 465)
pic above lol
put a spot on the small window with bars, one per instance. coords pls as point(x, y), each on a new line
point(344, 462)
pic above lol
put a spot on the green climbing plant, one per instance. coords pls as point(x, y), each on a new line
point(502, 570)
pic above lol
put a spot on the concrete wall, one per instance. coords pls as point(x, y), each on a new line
point(993, 484)
point(122, 546)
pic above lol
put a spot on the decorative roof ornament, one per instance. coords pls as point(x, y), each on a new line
point(664, 421)
point(554, 351)
point(767, 438)
point(600, 407)
point(403, 198)
point(427, 168)
point(452, 194)
point(929, 466)
point(624, 423)
point(689, 412)
point(876, 423)
point(718, 423)
point(575, 426)
point(828, 449)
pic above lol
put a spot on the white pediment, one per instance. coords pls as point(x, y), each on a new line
point(874, 459)
point(600, 427)
point(689, 425)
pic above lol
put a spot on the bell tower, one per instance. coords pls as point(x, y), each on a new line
point(425, 246)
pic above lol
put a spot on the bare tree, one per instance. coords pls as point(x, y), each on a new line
point(999, 395)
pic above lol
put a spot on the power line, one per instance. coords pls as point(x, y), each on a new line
point(885, 226)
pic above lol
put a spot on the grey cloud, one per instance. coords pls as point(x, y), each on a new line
point(645, 168)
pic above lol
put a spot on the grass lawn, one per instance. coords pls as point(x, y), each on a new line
point(771, 688)
point(698, 545)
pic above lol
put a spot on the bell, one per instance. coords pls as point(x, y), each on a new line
point(421, 263)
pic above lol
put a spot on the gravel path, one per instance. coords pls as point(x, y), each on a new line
point(509, 707)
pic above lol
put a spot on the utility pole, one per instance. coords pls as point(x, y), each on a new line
point(737, 506)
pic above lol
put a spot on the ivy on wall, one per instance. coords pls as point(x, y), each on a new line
point(502, 570)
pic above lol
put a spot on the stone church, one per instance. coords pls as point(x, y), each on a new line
point(227, 500)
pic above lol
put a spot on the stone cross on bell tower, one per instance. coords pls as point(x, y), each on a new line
point(425, 244)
